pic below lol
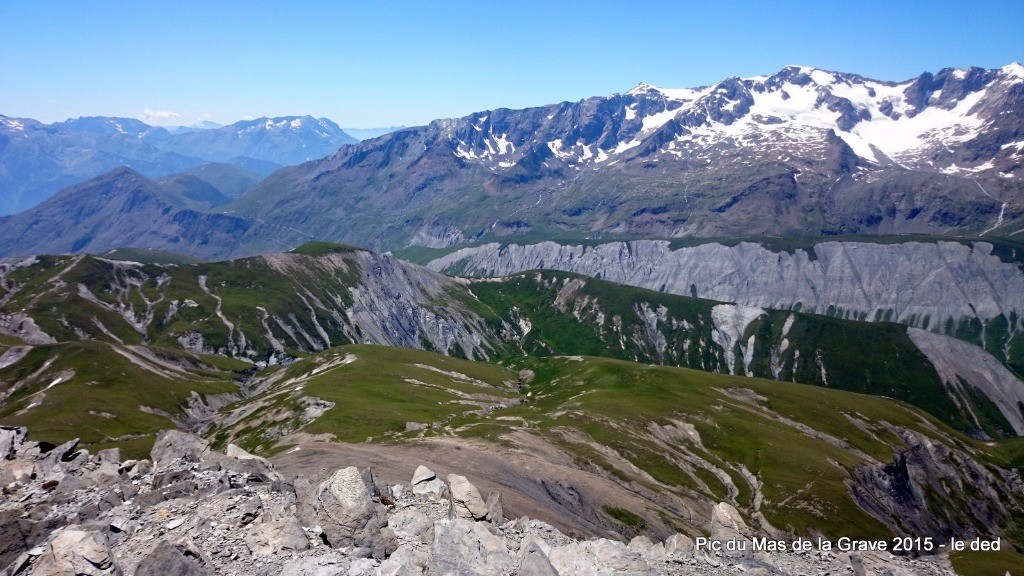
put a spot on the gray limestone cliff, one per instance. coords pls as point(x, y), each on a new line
point(923, 284)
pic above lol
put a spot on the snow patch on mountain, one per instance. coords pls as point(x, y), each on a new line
point(916, 123)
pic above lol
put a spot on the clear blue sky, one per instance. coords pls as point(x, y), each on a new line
point(382, 63)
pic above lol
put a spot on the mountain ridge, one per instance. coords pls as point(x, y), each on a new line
point(38, 159)
point(784, 154)
point(802, 152)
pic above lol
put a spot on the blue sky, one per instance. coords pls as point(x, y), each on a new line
point(386, 63)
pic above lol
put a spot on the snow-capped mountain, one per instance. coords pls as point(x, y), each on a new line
point(800, 152)
point(803, 152)
point(915, 124)
point(284, 141)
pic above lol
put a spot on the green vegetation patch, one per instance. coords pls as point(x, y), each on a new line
point(1006, 561)
point(376, 390)
point(89, 391)
point(739, 421)
point(321, 248)
point(146, 256)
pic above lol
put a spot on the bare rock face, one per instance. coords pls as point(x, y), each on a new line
point(169, 559)
point(467, 548)
point(24, 327)
point(348, 515)
point(79, 552)
point(958, 361)
point(425, 482)
point(466, 500)
point(279, 536)
point(175, 444)
point(913, 280)
point(899, 489)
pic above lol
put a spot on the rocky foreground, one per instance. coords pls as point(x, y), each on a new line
point(189, 510)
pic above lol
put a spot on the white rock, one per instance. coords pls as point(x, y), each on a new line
point(466, 498)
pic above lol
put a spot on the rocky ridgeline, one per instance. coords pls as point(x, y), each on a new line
point(923, 284)
point(190, 510)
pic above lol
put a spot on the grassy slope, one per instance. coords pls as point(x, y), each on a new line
point(613, 402)
point(374, 395)
point(605, 402)
point(146, 256)
point(1006, 561)
point(100, 396)
point(583, 403)
point(872, 358)
point(875, 358)
point(244, 285)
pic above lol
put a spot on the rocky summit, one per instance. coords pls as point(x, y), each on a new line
point(189, 510)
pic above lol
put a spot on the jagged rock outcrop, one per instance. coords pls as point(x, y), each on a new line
point(24, 327)
point(920, 482)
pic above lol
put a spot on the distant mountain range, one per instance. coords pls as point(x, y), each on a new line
point(803, 152)
point(124, 208)
point(368, 133)
point(38, 159)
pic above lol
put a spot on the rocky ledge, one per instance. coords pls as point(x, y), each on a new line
point(189, 510)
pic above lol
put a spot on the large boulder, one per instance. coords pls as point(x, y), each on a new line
point(534, 562)
point(727, 524)
point(468, 549)
point(175, 559)
point(59, 462)
point(348, 516)
point(78, 552)
point(412, 526)
point(495, 511)
point(466, 500)
point(679, 546)
point(426, 483)
point(11, 440)
point(284, 535)
point(407, 560)
point(174, 444)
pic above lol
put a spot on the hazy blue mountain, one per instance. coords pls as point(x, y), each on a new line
point(369, 133)
point(209, 185)
point(283, 141)
point(38, 159)
point(122, 208)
